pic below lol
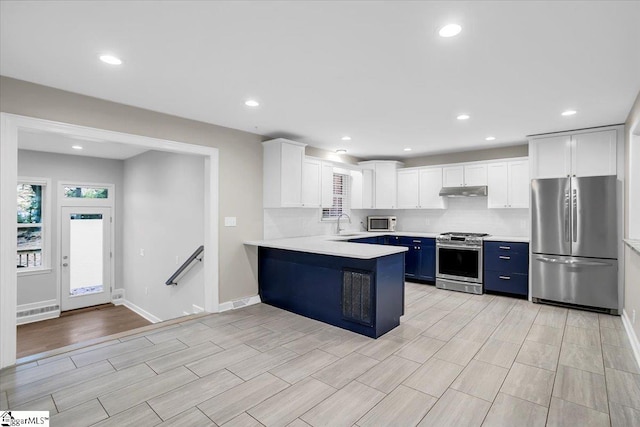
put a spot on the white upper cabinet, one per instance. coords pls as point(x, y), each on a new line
point(420, 189)
point(464, 175)
point(453, 176)
point(580, 154)
point(475, 174)
point(282, 172)
point(594, 154)
point(408, 189)
point(362, 189)
point(430, 186)
point(550, 157)
point(384, 182)
point(508, 184)
point(311, 183)
point(326, 185)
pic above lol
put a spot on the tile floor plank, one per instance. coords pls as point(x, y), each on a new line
point(456, 409)
point(509, 411)
point(389, 373)
point(404, 406)
point(183, 357)
point(567, 414)
point(343, 371)
point(233, 402)
point(420, 349)
point(189, 418)
point(125, 398)
point(481, 380)
point(170, 404)
point(434, 377)
point(96, 387)
point(344, 407)
point(581, 387)
point(301, 367)
point(138, 416)
point(284, 407)
point(539, 355)
point(529, 383)
point(221, 360)
point(82, 415)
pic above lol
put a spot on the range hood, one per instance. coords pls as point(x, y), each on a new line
point(479, 191)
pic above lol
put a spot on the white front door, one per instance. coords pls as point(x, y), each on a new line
point(85, 257)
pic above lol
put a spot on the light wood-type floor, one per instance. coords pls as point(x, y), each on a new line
point(76, 326)
point(457, 359)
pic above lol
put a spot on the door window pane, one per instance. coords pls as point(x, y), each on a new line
point(86, 260)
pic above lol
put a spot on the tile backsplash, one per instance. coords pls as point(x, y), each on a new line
point(463, 214)
point(296, 222)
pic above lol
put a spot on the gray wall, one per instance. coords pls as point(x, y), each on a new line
point(164, 216)
point(240, 162)
point(61, 167)
point(469, 156)
point(632, 258)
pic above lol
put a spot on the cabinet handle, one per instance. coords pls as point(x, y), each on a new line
point(416, 241)
point(505, 277)
point(504, 257)
point(506, 248)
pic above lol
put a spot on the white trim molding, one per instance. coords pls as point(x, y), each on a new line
point(141, 312)
point(239, 303)
point(633, 338)
point(10, 125)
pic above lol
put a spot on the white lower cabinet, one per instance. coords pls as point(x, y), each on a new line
point(508, 184)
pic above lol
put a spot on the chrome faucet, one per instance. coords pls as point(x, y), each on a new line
point(341, 215)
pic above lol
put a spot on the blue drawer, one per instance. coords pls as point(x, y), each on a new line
point(517, 284)
point(417, 241)
point(511, 262)
point(506, 248)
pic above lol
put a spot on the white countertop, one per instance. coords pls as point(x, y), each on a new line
point(633, 244)
point(332, 245)
point(337, 245)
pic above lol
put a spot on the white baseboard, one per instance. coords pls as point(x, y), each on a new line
point(239, 303)
point(150, 317)
point(37, 311)
point(633, 338)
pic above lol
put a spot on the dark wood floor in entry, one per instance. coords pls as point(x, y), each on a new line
point(76, 326)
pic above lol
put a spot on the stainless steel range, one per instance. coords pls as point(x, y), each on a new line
point(459, 261)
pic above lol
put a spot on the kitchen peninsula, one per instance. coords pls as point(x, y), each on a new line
point(354, 286)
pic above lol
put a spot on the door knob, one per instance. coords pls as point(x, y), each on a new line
point(65, 265)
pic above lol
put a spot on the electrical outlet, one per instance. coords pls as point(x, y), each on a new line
point(141, 252)
point(633, 317)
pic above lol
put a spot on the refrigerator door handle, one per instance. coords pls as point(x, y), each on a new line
point(567, 216)
point(574, 214)
point(573, 262)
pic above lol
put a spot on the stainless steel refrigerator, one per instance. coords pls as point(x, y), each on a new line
point(574, 241)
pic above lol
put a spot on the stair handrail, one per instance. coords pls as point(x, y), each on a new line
point(185, 265)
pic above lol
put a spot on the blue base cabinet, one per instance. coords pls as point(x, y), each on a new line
point(365, 296)
point(506, 268)
point(420, 258)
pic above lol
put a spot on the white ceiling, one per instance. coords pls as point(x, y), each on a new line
point(61, 144)
point(376, 71)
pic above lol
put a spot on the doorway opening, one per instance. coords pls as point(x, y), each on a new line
point(87, 235)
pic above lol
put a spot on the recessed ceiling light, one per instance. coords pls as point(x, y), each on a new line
point(490, 138)
point(569, 112)
point(251, 103)
point(346, 138)
point(450, 30)
point(463, 117)
point(341, 151)
point(77, 147)
point(407, 149)
point(110, 59)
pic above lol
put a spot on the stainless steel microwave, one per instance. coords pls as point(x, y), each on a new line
point(381, 223)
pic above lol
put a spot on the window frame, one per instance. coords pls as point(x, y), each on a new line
point(346, 198)
point(45, 254)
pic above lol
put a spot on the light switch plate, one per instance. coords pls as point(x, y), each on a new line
point(229, 221)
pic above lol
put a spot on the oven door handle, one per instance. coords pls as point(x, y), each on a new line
point(463, 248)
